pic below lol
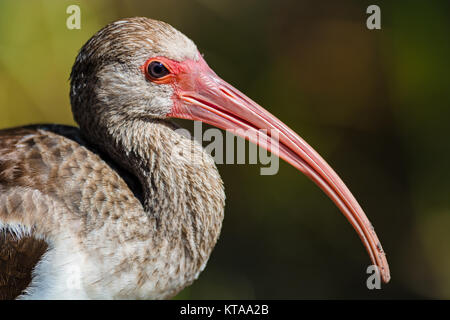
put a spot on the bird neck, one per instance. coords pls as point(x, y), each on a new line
point(181, 187)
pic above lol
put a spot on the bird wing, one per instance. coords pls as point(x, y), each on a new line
point(48, 183)
point(20, 247)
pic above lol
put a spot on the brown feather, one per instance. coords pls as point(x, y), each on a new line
point(18, 258)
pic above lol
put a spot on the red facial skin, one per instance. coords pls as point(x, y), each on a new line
point(199, 94)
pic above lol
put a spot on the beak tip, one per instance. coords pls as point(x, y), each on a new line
point(384, 268)
point(386, 274)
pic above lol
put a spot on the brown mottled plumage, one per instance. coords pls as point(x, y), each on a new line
point(112, 200)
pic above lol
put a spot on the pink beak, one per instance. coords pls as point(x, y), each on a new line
point(201, 95)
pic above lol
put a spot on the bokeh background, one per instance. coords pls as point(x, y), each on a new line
point(375, 104)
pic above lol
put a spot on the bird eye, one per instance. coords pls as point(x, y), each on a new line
point(156, 70)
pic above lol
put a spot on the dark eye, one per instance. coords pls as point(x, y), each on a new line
point(156, 69)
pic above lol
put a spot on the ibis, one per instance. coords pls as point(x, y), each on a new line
point(124, 206)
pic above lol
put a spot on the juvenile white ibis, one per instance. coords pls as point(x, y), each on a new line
point(106, 210)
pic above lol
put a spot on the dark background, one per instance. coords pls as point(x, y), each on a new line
point(375, 104)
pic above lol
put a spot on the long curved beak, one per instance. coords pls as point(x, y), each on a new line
point(203, 96)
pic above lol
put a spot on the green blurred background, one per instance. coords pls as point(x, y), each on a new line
point(375, 104)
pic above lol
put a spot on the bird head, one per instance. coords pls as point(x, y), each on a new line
point(145, 69)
